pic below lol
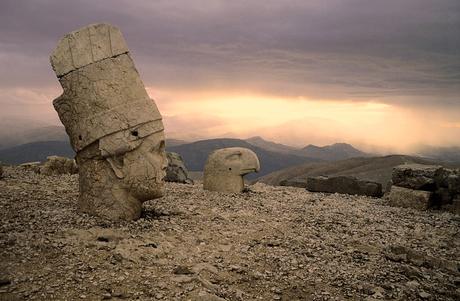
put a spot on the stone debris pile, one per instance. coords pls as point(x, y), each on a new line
point(270, 243)
point(424, 186)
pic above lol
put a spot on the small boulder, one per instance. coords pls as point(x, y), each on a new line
point(418, 176)
point(55, 165)
point(409, 198)
point(345, 185)
point(176, 171)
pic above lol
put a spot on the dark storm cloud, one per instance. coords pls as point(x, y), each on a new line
point(355, 49)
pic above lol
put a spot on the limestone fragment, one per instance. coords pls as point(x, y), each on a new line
point(176, 171)
point(113, 125)
point(409, 198)
point(225, 168)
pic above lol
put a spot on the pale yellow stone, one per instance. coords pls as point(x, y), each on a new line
point(225, 168)
point(87, 45)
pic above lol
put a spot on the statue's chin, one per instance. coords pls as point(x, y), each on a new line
point(145, 192)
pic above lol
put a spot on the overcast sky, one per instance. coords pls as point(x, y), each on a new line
point(399, 57)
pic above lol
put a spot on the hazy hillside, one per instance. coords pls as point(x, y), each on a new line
point(448, 154)
point(175, 142)
point(13, 135)
point(35, 151)
point(334, 152)
point(196, 153)
point(376, 169)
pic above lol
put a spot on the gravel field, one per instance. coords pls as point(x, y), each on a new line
point(269, 243)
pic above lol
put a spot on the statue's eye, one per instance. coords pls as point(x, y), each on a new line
point(234, 156)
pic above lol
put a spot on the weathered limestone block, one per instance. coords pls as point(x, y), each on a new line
point(176, 171)
point(225, 168)
point(56, 165)
point(114, 127)
point(418, 176)
point(345, 185)
point(409, 198)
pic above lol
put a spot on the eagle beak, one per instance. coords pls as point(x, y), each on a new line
point(251, 163)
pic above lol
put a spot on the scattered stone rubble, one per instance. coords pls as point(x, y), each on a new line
point(176, 171)
point(344, 184)
point(270, 243)
point(425, 186)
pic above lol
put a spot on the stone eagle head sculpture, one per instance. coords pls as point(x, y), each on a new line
point(113, 125)
point(225, 168)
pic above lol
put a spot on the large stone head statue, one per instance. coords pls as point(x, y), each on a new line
point(225, 168)
point(114, 127)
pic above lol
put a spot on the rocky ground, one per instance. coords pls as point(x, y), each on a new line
point(270, 243)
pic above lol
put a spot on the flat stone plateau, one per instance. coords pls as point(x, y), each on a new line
point(271, 243)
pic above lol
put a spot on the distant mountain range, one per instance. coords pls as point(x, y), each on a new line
point(378, 169)
point(334, 152)
point(195, 155)
point(19, 144)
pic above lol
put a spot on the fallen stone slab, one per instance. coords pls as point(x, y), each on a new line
point(344, 185)
point(409, 198)
point(294, 183)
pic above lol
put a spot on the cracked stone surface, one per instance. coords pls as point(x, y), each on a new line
point(112, 123)
point(270, 243)
point(225, 168)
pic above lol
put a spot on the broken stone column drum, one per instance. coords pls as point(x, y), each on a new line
point(114, 127)
point(225, 168)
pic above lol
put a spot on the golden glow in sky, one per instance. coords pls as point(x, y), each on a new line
point(297, 121)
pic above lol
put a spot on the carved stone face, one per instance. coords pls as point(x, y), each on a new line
point(144, 168)
point(113, 125)
point(225, 168)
